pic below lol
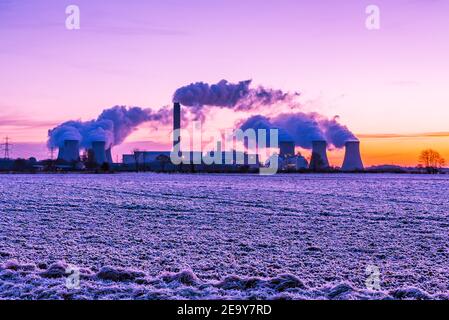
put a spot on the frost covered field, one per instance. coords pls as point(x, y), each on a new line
point(149, 236)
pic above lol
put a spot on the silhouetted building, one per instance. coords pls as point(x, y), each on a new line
point(319, 159)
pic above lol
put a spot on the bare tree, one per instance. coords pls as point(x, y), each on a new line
point(431, 160)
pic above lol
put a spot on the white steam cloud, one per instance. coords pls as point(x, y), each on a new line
point(238, 96)
point(113, 126)
point(303, 128)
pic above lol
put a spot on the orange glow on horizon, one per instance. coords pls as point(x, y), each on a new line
point(402, 150)
point(376, 149)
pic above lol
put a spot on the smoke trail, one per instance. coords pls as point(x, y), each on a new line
point(238, 96)
point(222, 94)
point(303, 128)
point(113, 126)
point(262, 97)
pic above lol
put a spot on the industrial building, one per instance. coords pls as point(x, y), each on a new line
point(319, 160)
point(6, 165)
point(353, 159)
point(234, 160)
point(98, 153)
point(288, 160)
point(70, 152)
point(148, 160)
point(231, 161)
point(293, 163)
point(287, 148)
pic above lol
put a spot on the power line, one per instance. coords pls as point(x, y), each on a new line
point(6, 147)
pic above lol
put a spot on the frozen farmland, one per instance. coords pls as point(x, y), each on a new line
point(149, 236)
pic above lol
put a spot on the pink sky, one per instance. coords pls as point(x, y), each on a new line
point(393, 80)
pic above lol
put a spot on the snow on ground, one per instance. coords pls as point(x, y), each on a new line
point(148, 236)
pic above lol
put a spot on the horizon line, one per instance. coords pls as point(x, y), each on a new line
point(436, 134)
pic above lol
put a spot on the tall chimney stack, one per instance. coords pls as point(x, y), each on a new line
point(176, 124)
point(319, 159)
point(353, 159)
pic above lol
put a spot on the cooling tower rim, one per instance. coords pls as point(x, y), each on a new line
point(352, 141)
point(64, 142)
point(99, 143)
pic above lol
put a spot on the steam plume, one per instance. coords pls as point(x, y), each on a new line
point(222, 94)
point(336, 133)
point(238, 96)
point(113, 126)
point(303, 128)
point(261, 122)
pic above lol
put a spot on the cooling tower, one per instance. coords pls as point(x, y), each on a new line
point(61, 153)
point(287, 149)
point(70, 152)
point(353, 159)
point(176, 123)
point(109, 156)
point(99, 152)
point(319, 159)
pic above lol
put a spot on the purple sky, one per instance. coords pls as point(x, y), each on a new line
point(393, 80)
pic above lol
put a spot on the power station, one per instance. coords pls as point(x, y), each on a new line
point(99, 153)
